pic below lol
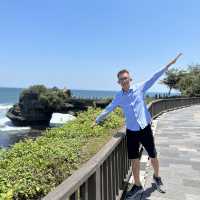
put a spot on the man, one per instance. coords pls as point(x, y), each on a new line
point(138, 123)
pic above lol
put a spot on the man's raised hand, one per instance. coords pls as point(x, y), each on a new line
point(174, 60)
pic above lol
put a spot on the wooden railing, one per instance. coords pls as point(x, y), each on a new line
point(105, 176)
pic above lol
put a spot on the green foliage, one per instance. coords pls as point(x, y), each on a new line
point(190, 83)
point(172, 78)
point(186, 81)
point(51, 99)
point(2, 151)
point(30, 169)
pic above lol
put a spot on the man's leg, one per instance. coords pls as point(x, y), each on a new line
point(155, 165)
point(136, 171)
point(157, 179)
point(147, 141)
point(133, 154)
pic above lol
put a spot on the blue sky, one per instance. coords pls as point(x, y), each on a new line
point(83, 44)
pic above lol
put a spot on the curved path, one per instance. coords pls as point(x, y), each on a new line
point(177, 138)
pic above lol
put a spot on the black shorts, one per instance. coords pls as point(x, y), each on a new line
point(144, 137)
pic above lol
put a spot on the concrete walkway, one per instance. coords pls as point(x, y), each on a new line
point(177, 138)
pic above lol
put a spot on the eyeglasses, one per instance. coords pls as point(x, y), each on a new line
point(123, 79)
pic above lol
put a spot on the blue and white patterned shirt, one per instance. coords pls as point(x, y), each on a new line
point(132, 103)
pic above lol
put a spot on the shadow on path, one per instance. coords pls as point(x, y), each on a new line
point(147, 192)
point(145, 195)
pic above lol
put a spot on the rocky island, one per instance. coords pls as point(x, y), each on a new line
point(37, 104)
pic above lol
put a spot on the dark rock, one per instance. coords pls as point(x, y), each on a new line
point(37, 104)
point(33, 119)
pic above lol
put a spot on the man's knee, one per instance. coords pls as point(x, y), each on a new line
point(152, 153)
point(153, 159)
point(135, 160)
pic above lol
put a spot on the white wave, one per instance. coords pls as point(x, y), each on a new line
point(59, 119)
point(5, 106)
point(4, 121)
point(7, 125)
point(14, 128)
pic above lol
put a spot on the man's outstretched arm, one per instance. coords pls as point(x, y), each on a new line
point(109, 108)
point(147, 84)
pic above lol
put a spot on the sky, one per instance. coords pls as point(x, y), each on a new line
point(83, 44)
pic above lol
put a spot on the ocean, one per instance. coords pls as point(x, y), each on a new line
point(9, 134)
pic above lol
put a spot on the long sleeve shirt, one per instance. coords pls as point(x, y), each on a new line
point(132, 103)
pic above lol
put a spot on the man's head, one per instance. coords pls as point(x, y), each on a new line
point(124, 79)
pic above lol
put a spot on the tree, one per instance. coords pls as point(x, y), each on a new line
point(39, 96)
point(172, 78)
point(186, 81)
point(189, 83)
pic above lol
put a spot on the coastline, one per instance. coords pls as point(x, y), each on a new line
point(10, 134)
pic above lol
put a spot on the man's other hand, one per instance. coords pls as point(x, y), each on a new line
point(174, 60)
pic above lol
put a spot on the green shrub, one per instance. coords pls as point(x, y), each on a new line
point(47, 98)
point(31, 168)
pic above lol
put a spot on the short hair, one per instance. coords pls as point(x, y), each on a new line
point(121, 72)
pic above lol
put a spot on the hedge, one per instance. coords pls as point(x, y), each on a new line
point(33, 167)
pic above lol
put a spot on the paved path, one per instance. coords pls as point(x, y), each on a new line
point(177, 138)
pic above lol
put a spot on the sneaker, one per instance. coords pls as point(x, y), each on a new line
point(159, 184)
point(135, 190)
